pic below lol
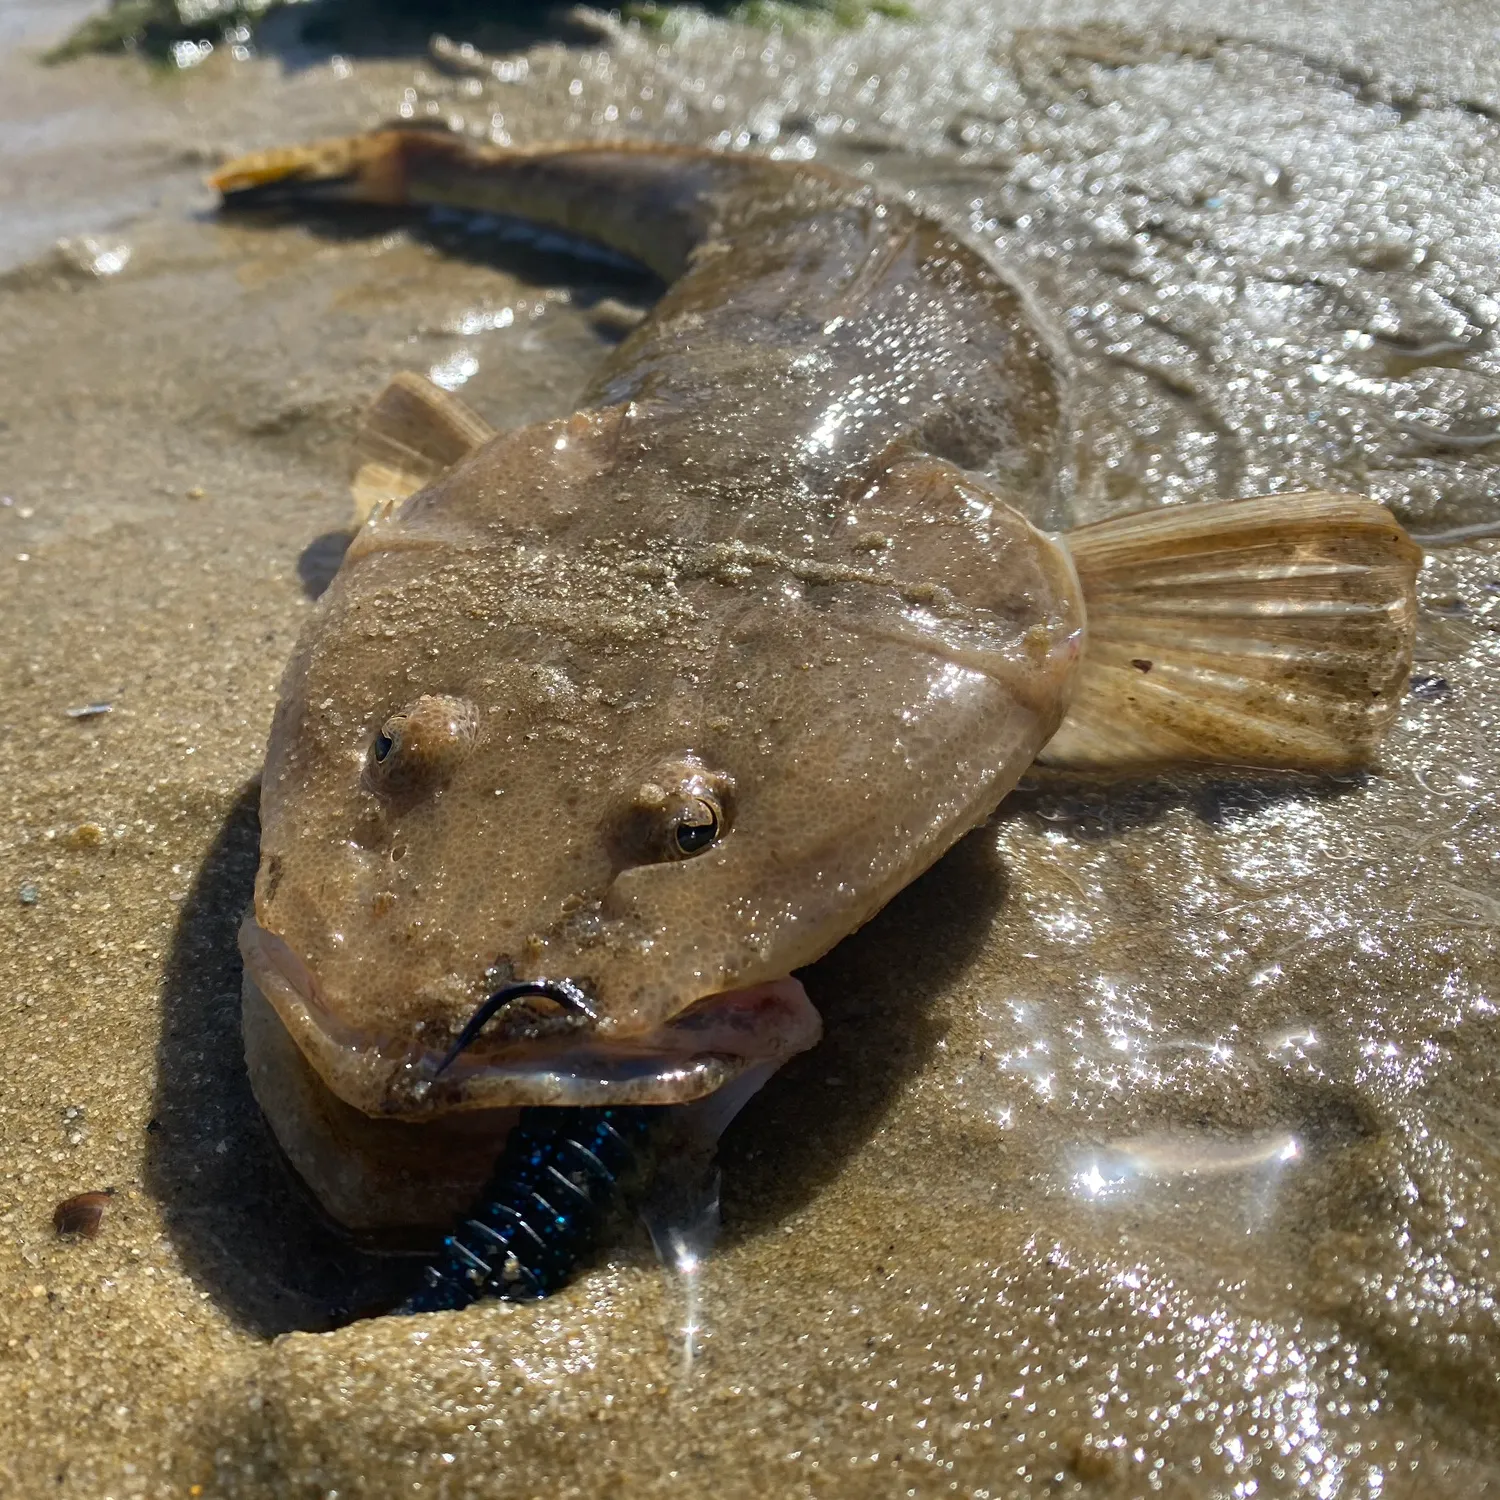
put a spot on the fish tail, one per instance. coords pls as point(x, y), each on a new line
point(653, 203)
point(370, 168)
point(1275, 631)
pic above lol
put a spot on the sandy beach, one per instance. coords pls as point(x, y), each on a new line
point(1153, 1147)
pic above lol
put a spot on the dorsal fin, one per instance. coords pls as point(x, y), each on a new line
point(413, 431)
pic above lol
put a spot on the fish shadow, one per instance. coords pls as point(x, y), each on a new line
point(246, 1229)
point(874, 990)
point(532, 253)
point(320, 559)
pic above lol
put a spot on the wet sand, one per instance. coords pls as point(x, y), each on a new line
point(1153, 1147)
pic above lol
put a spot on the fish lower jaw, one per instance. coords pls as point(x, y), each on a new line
point(714, 1041)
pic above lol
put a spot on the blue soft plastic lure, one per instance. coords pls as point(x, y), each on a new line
point(551, 1191)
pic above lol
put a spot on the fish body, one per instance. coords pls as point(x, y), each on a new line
point(609, 724)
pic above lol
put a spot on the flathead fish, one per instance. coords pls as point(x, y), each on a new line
point(608, 725)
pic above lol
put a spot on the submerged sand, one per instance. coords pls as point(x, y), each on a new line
point(1154, 1147)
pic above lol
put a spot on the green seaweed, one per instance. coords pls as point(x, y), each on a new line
point(154, 27)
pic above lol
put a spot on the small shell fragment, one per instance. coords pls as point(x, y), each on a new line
point(82, 1214)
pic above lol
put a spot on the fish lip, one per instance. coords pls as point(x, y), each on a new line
point(710, 1042)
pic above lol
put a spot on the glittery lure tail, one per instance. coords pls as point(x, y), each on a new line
point(556, 1182)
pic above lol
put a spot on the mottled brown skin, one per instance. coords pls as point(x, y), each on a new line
point(779, 566)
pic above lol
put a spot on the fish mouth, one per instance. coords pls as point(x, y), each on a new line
point(710, 1042)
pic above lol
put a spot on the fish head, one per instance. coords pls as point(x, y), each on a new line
point(556, 801)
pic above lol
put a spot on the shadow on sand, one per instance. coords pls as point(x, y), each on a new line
point(246, 1228)
point(873, 992)
point(319, 560)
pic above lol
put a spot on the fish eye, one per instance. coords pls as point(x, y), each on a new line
point(419, 747)
point(684, 808)
point(696, 827)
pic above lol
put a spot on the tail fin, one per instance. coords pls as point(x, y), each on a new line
point(1275, 631)
point(369, 168)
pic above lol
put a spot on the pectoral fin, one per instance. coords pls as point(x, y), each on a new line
point(1275, 631)
point(413, 431)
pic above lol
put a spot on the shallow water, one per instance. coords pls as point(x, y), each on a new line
point(1153, 1147)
